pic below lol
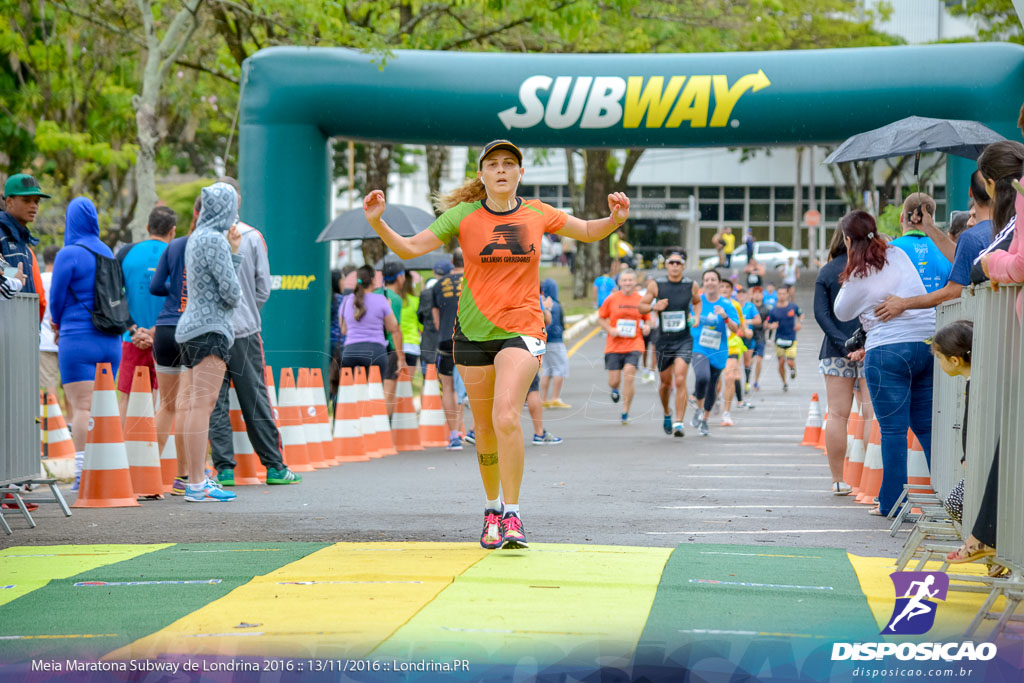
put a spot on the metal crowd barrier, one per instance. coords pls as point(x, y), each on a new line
point(19, 393)
point(19, 408)
point(996, 407)
point(948, 411)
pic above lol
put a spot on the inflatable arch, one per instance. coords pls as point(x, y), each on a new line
point(295, 99)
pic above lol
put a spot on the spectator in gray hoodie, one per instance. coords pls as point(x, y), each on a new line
point(205, 330)
point(247, 369)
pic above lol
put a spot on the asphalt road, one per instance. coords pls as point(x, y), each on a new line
point(607, 484)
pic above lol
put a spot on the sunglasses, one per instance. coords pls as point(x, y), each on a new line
point(674, 263)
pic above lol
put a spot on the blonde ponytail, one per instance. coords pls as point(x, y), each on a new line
point(470, 191)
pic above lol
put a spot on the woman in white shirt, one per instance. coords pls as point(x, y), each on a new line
point(897, 362)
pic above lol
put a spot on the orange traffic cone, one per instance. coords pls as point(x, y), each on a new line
point(106, 481)
point(169, 460)
point(917, 466)
point(268, 377)
point(322, 416)
point(379, 410)
point(367, 422)
point(405, 426)
point(293, 436)
point(871, 478)
point(348, 433)
point(309, 426)
point(821, 439)
point(140, 438)
point(247, 464)
point(812, 430)
point(56, 439)
point(853, 467)
point(433, 426)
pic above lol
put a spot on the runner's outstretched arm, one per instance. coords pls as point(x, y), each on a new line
point(591, 231)
point(404, 247)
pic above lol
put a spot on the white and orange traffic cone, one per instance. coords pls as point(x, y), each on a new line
point(140, 438)
point(917, 466)
point(404, 423)
point(106, 481)
point(433, 426)
point(57, 448)
point(268, 377)
point(293, 436)
point(310, 428)
point(348, 432)
point(856, 449)
point(821, 439)
point(812, 429)
point(367, 422)
point(247, 464)
point(169, 459)
point(322, 416)
point(871, 478)
point(379, 410)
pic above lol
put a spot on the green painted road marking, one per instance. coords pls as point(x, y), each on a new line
point(552, 604)
point(58, 609)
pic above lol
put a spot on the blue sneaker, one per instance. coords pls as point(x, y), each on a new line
point(615, 395)
point(547, 438)
point(625, 418)
point(470, 436)
point(666, 424)
point(209, 493)
point(455, 444)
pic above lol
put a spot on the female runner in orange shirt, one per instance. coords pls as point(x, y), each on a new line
point(499, 331)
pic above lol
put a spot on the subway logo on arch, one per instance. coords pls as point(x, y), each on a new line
point(607, 101)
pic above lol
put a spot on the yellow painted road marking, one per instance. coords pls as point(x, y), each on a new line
point(341, 601)
point(952, 615)
point(581, 342)
point(577, 602)
point(29, 568)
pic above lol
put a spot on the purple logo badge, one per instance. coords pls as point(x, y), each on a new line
point(914, 612)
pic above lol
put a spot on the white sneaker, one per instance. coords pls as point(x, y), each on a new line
point(727, 420)
point(841, 488)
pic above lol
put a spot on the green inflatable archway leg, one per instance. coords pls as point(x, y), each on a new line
point(286, 194)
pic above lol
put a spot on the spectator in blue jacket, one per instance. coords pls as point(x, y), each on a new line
point(21, 201)
point(556, 359)
point(81, 345)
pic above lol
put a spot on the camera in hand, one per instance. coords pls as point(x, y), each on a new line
point(856, 341)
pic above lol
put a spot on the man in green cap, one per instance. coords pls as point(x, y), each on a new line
point(21, 198)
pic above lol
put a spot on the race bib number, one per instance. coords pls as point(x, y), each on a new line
point(674, 321)
point(534, 345)
point(783, 343)
point(710, 339)
point(626, 328)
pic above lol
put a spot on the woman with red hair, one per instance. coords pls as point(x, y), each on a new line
point(897, 362)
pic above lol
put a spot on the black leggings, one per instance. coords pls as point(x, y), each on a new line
point(706, 376)
point(985, 523)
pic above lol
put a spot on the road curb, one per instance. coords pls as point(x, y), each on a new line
point(580, 326)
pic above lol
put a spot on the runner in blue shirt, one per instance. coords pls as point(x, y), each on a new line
point(711, 327)
point(603, 286)
point(786, 319)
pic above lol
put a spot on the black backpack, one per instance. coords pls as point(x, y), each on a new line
point(110, 303)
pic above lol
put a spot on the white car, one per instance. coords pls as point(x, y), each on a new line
point(771, 255)
point(550, 251)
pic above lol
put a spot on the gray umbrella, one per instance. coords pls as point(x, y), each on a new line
point(352, 225)
point(424, 262)
point(914, 135)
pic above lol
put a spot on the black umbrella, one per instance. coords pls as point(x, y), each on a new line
point(352, 225)
point(424, 262)
point(914, 135)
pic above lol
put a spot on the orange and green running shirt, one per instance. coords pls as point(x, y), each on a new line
point(501, 284)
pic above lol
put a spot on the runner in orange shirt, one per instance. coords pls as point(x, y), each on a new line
point(625, 325)
point(499, 333)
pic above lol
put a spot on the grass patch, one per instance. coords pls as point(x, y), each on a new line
point(563, 278)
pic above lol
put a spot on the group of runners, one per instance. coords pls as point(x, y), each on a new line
point(718, 327)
